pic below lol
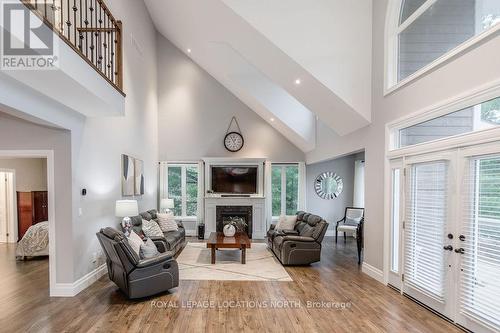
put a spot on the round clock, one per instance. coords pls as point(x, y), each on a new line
point(233, 141)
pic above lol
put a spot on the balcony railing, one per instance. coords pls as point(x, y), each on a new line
point(90, 29)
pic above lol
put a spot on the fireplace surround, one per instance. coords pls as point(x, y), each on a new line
point(224, 213)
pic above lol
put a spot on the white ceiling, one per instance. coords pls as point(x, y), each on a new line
point(257, 49)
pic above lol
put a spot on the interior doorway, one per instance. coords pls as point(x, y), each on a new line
point(27, 216)
point(8, 214)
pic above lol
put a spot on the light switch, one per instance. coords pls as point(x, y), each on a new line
point(80, 211)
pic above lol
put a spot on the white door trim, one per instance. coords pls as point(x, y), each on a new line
point(49, 155)
point(12, 238)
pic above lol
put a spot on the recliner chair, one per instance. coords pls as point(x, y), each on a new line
point(137, 277)
point(302, 245)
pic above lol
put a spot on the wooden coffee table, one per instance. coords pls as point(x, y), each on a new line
point(240, 241)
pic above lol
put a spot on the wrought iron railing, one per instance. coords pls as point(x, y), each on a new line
point(90, 29)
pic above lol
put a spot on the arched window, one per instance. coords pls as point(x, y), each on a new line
point(422, 32)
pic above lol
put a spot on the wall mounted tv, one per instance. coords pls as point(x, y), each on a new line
point(234, 179)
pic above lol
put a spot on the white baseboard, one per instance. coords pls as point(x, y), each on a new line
point(373, 272)
point(72, 289)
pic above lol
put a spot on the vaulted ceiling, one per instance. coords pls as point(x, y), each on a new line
point(259, 49)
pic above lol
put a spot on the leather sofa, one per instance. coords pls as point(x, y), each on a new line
point(302, 245)
point(172, 241)
point(137, 277)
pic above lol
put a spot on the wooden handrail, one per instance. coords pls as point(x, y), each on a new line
point(90, 29)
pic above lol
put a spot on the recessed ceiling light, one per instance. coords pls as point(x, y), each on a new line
point(272, 119)
point(297, 81)
point(189, 50)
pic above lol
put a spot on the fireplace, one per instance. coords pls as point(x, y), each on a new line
point(226, 213)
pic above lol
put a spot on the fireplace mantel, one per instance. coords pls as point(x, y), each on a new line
point(258, 213)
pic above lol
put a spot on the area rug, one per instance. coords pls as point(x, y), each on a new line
point(261, 264)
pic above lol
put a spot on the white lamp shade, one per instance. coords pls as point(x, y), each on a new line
point(166, 203)
point(126, 208)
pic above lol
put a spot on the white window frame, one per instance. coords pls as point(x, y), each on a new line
point(183, 167)
point(392, 30)
point(491, 135)
point(460, 102)
point(283, 187)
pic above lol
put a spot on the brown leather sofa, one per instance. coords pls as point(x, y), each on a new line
point(302, 245)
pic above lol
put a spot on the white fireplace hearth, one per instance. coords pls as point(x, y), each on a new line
point(258, 213)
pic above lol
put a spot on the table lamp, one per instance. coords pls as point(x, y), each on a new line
point(125, 209)
point(166, 204)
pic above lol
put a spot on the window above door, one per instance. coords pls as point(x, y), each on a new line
point(422, 34)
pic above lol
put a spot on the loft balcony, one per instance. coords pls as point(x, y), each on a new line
point(87, 46)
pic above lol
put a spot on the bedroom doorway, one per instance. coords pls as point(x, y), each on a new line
point(27, 212)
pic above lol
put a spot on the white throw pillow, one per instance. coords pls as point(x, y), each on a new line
point(135, 242)
point(286, 222)
point(167, 222)
point(151, 229)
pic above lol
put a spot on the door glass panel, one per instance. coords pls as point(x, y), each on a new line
point(426, 217)
point(395, 208)
point(480, 281)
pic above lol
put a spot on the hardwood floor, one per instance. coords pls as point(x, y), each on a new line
point(371, 307)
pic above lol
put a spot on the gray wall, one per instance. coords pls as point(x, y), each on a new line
point(477, 67)
point(195, 111)
point(17, 134)
point(331, 210)
point(31, 173)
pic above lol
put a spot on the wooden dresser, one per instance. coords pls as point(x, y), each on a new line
point(32, 208)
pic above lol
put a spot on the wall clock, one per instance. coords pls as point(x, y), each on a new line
point(233, 141)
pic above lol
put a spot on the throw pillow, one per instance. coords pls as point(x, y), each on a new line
point(151, 229)
point(135, 242)
point(148, 249)
point(167, 222)
point(287, 222)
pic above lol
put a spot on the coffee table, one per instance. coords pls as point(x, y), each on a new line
point(240, 241)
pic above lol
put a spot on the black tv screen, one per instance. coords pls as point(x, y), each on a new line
point(234, 180)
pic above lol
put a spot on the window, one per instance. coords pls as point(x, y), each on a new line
point(285, 189)
point(478, 117)
point(182, 186)
point(429, 29)
point(395, 220)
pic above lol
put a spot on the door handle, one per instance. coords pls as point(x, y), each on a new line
point(460, 250)
point(448, 248)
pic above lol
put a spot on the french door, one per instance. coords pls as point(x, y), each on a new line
point(450, 234)
point(429, 231)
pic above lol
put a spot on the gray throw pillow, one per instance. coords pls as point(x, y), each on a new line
point(148, 249)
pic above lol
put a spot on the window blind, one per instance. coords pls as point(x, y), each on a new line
point(425, 222)
point(480, 263)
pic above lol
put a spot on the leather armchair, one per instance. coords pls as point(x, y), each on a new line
point(137, 277)
point(302, 245)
